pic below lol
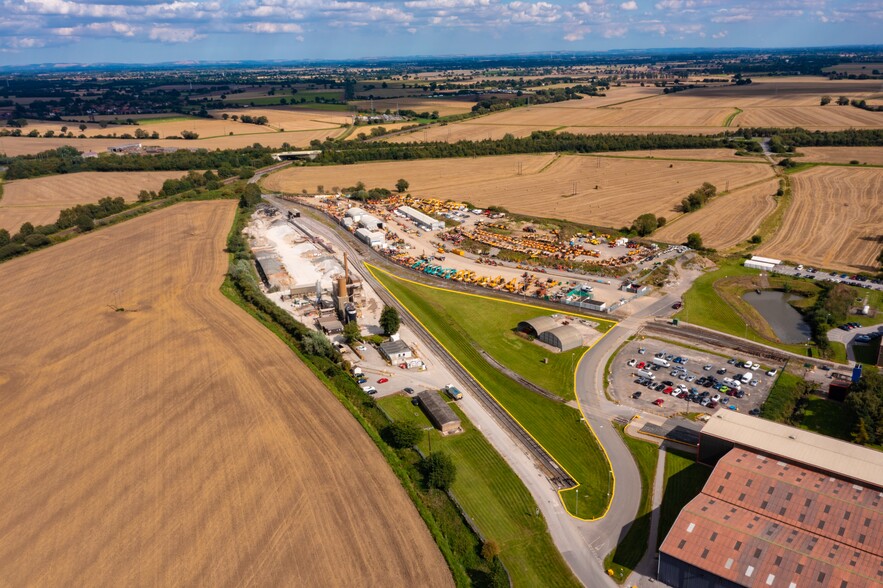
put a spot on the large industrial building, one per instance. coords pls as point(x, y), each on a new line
point(783, 507)
point(547, 330)
point(424, 221)
point(371, 238)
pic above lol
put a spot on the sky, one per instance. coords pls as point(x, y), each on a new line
point(148, 31)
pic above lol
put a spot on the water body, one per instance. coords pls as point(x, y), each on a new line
point(787, 323)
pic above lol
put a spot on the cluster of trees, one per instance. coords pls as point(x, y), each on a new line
point(865, 399)
point(698, 197)
point(209, 180)
point(831, 309)
point(495, 103)
point(390, 320)
point(798, 137)
point(64, 160)
point(253, 120)
point(646, 224)
point(26, 239)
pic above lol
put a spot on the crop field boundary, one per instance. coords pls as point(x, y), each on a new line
point(729, 120)
point(373, 269)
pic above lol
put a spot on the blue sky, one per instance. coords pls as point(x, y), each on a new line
point(145, 31)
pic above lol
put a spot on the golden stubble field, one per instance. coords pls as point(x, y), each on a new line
point(726, 220)
point(869, 155)
point(13, 146)
point(179, 442)
point(609, 191)
point(835, 220)
point(776, 102)
point(39, 200)
point(443, 106)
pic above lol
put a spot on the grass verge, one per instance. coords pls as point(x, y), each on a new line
point(631, 548)
point(684, 479)
point(496, 500)
point(557, 427)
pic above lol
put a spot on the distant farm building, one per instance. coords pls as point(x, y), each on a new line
point(271, 270)
point(547, 330)
point(766, 264)
point(438, 412)
point(424, 221)
point(783, 507)
point(370, 222)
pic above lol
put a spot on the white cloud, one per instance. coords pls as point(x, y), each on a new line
point(719, 35)
point(273, 27)
point(577, 34)
point(615, 32)
point(630, 5)
point(173, 35)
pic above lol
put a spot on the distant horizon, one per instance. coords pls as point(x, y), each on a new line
point(160, 31)
point(391, 59)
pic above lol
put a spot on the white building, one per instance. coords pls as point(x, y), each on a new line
point(371, 238)
point(423, 220)
point(370, 222)
point(766, 264)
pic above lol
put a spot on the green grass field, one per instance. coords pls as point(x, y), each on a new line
point(449, 316)
point(631, 549)
point(828, 417)
point(704, 306)
point(684, 479)
point(494, 498)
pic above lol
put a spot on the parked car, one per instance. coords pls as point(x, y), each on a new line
point(369, 389)
point(362, 380)
point(637, 394)
point(772, 372)
point(716, 398)
point(409, 390)
point(632, 362)
point(677, 305)
point(754, 382)
point(383, 380)
point(642, 351)
point(707, 367)
point(658, 402)
point(722, 371)
point(754, 412)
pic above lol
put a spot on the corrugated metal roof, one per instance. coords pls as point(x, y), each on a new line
point(818, 451)
point(565, 336)
point(540, 324)
point(764, 522)
point(438, 409)
point(416, 215)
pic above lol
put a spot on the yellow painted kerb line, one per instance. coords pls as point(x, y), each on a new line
point(374, 269)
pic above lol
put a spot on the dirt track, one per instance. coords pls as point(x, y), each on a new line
point(180, 442)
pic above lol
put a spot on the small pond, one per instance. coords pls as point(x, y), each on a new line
point(787, 323)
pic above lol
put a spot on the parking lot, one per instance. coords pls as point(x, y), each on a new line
point(675, 379)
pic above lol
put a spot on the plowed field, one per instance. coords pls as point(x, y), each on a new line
point(835, 220)
point(608, 191)
point(180, 442)
point(39, 200)
point(726, 220)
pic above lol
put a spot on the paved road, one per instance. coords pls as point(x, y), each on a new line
point(848, 337)
point(583, 544)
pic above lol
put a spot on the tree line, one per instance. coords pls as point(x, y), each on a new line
point(63, 160)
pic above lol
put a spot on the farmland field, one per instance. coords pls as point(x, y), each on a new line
point(179, 442)
point(39, 200)
point(777, 102)
point(444, 106)
point(13, 146)
point(726, 220)
point(835, 220)
point(625, 189)
point(869, 155)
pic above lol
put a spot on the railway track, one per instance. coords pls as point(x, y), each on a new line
point(550, 468)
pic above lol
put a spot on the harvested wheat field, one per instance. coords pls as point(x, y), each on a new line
point(703, 154)
point(776, 102)
point(13, 146)
point(444, 107)
point(726, 220)
point(609, 191)
point(835, 220)
point(869, 155)
point(39, 200)
point(179, 443)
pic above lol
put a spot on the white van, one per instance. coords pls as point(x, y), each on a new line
point(746, 377)
point(660, 361)
point(647, 374)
